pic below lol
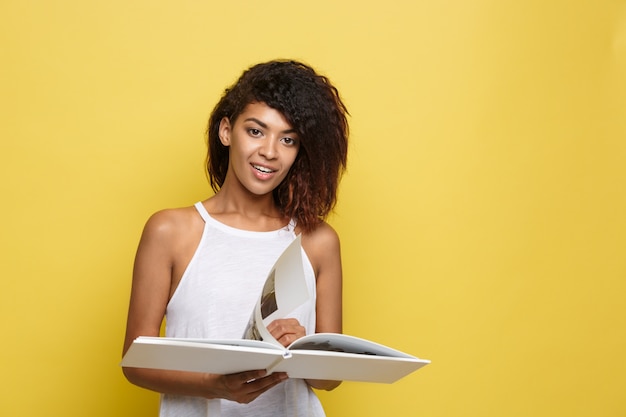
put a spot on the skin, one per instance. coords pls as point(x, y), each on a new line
point(263, 147)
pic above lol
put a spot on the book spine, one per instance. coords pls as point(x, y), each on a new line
point(286, 355)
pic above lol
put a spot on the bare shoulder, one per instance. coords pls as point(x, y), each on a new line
point(171, 224)
point(321, 244)
point(322, 236)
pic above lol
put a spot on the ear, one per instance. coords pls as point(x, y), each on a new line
point(224, 131)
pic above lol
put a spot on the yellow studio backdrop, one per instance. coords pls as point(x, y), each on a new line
point(482, 216)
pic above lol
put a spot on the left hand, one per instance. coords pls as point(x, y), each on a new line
point(286, 331)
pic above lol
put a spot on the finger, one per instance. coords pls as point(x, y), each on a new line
point(249, 376)
point(279, 324)
point(234, 383)
point(289, 338)
point(252, 389)
point(244, 387)
point(260, 385)
point(286, 331)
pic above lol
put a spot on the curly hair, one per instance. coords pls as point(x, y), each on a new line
point(312, 106)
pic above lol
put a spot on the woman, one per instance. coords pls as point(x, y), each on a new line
point(277, 144)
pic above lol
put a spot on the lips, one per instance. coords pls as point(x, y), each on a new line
point(263, 169)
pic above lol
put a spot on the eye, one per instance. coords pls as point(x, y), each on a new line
point(289, 141)
point(254, 132)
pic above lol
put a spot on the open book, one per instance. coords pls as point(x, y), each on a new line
point(328, 356)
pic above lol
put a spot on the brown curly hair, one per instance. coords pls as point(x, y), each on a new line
point(312, 106)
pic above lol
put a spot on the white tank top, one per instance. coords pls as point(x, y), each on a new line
point(214, 300)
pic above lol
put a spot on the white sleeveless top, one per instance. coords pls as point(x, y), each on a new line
point(214, 300)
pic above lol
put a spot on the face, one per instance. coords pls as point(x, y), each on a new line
point(263, 147)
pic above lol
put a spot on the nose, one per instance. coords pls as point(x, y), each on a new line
point(269, 148)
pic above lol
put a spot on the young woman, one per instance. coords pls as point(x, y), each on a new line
point(277, 144)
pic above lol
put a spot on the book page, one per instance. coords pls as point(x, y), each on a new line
point(227, 357)
point(196, 355)
point(333, 342)
point(339, 366)
point(285, 289)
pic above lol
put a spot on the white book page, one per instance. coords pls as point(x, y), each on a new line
point(347, 366)
point(246, 343)
point(195, 356)
point(285, 290)
point(333, 342)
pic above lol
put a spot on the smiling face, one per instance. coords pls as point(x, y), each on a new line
point(263, 147)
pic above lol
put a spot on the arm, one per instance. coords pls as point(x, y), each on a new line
point(325, 253)
point(163, 253)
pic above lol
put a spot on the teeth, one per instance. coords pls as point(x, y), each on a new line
point(263, 169)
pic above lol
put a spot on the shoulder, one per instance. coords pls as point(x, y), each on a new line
point(322, 236)
point(167, 224)
point(321, 244)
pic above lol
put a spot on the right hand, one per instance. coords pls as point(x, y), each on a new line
point(245, 387)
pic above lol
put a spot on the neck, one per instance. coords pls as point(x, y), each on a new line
point(246, 210)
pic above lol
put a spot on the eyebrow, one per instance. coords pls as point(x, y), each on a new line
point(263, 125)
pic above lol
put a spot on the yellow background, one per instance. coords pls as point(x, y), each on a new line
point(482, 217)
